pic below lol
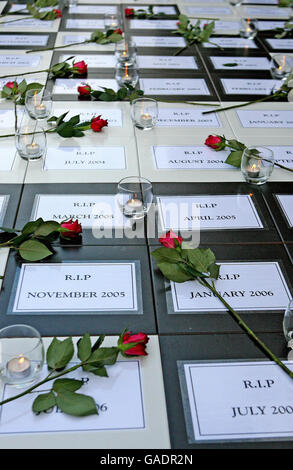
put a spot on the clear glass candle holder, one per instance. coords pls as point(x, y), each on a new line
point(38, 104)
point(281, 66)
point(134, 196)
point(235, 3)
point(248, 28)
point(31, 141)
point(144, 113)
point(126, 75)
point(125, 51)
point(257, 164)
point(21, 355)
point(111, 21)
point(288, 322)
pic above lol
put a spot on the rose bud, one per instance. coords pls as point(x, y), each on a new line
point(74, 227)
point(168, 240)
point(11, 84)
point(129, 12)
point(58, 13)
point(80, 68)
point(216, 142)
point(84, 90)
point(97, 124)
point(138, 349)
point(118, 31)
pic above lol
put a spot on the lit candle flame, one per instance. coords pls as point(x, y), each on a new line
point(282, 66)
point(126, 74)
point(248, 28)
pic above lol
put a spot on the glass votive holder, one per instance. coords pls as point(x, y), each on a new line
point(21, 355)
point(38, 104)
point(125, 51)
point(31, 142)
point(248, 28)
point(144, 113)
point(235, 3)
point(126, 75)
point(281, 66)
point(134, 196)
point(257, 164)
point(111, 21)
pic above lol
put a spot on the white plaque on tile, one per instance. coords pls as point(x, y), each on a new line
point(19, 60)
point(224, 25)
point(85, 158)
point(285, 201)
point(227, 212)
point(84, 24)
point(185, 117)
point(167, 10)
point(246, 286)
point(174, 86)
point(123, 385)
point(250, 86)
point(8, 157)
point(216, 11)
point(284, 44)
point(240, 63)
point(30, 23)
point(76, 287)
point(7, 117)
point(94, 60)
point(232, 43)
point(283, 154)
point(92, 210)
point(92, 9)
point(269, 25)
point(166, 62)
point(267, 118)
point(69, 85)
point(189, 158)
point(68, 39)
point(151, 24)
point(23, 40)
point(263, 12)
point(158, 41)
point(260, 2)
point(238, 401)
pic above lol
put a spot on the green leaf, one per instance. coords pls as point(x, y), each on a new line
point(31, 227)
point(173, 272)
point(98, 343)
point(100, 371)
point(234, 158)
point(47, 228)
point(33, 250)
point(67, 385)
point(166, 255)
point(104, 356)
point(59, 353)
point(214, 270)
point(200, 258)
point(231, 64)
point(76, 404)
point(44, 402)
point(84, 347)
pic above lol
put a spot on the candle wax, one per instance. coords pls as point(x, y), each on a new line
point(19, 367)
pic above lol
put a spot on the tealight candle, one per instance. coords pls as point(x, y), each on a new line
point(253, 170)
point(19, 367)
point(146, 120)
point(133, 205)
point(40, 110)
point(32, 149)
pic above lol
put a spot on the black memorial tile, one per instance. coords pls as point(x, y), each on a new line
point(230, 66)
point(134, 235)
point(10, 195)
point(282, 43)
point(273, 193)
point(207, 49)
point(216, 347)
point(72, 320)
point(146, 71)
point(266, 233)
point(255, 304)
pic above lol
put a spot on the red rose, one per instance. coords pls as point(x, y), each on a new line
point(80, 67)
point(58, 13)
point(216, 142)
point(129, 12)
point(178, 23)
point(139, 349)
point(168, 240)
point(74, 227)
point(97, 124)
point(118, 31)
point(11, 84)
point(84, 90)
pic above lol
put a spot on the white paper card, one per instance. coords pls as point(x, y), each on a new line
point(224, 25)
point(246, 286)
point(92, 9)
point(7, 117)
point(185, 117)
point(76, 287)
point(284, 44)
point(20, 60)
point(30, 23)
point(261, 2)
point(122, 386)
point(73, 38)
point(69, 85)
point(189, 158)
point(150, 24)
point(269, 25)
point(92, 210)
point(156, 9)
point(158, 41)
point(285, 201)
point(166, 62)
point(23, 40)
point(262, 12)
point(232, 43)
point(3, 206)
point(113, 116)
point(227, 212)
point(239, 401)
point(174, 86)
point(217, 11)
point(241, 86)
point(94, 60)
point(282, 154)
point(240, 63)
point(84, 24)
point(7, 159)
point(267, 118)
point(85, 158)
